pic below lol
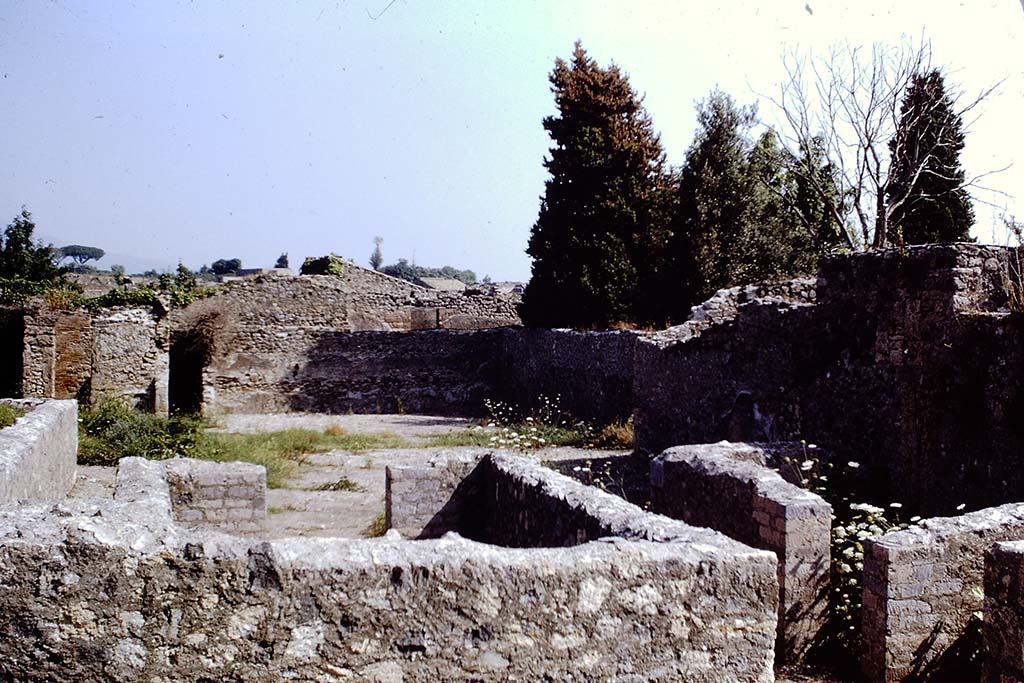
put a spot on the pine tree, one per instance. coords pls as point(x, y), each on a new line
point(926, 195)
point(602, 219)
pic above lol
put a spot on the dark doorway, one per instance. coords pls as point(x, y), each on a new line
point(12, 343)
point(188, 356)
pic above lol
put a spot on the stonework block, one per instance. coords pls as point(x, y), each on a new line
point(721, 486)
point(922, 589)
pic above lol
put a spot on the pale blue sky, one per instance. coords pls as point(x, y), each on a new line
point(202, 130)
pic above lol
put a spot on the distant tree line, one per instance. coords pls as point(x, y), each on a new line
point(622, 237)
point(410, 271)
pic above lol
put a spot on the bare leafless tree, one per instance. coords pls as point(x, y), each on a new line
point(843, 110)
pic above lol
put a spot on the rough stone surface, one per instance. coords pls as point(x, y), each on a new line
point(724, 487)
point(39, 452)
point(118, 592)
point(906, 362)
point(590, 372)
point(429, 500)
point(231, 497)
point(1004, 614)
point(922, 587)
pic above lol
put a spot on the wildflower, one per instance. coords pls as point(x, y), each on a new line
point(895, 505)
point(853, 464)
point(961, 506)
point(806, 465)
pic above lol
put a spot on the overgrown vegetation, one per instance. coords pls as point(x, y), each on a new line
point(26, 267)
point(378, 527)
point(853, 520)
point(332, 264)
point(544, 424)
point(112, 430)
point(9, 414)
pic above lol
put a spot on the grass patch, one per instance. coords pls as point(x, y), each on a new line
point(334, 430)
point(112, 430)
point(460, 437)
point(378, 527)
point(616, 436)
point(343, 484)
point(9, 414)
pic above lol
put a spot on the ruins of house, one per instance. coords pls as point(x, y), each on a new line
point(907, 362)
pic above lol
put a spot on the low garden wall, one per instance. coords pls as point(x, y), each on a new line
point(118, 592)
point(39, 452)
point(726, 487)
point(923, 592)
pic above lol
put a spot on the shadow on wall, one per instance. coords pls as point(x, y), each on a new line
point(433, 372)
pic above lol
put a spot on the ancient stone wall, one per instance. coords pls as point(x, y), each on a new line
point(895, 343)
point(39, 452)
point(230, 497)
point(72, 357)
point(75, 354)
point(922, 588)
point(1003, 629)
point(431, 372)
point(591, 373)
point(430, 500)
point(128, 353)
point(726, 487)
point(114, 591)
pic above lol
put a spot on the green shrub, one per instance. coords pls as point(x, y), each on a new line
point(9, 414)
point(112, 430)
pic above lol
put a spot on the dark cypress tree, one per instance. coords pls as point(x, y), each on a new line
point(714, 194)
point(603, 216)
point(925, 191)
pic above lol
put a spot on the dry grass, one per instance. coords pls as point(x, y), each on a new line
point(335, 430)
point(616, 436)
point(378, 527)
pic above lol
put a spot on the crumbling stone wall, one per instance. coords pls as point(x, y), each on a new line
point(897, 343)
point(922, 587)
point(727, 487)
point(1004, 613)
point(75, 354)
point(231, 497)
point(115, 591)
point(39, 452)
point(129, 354)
